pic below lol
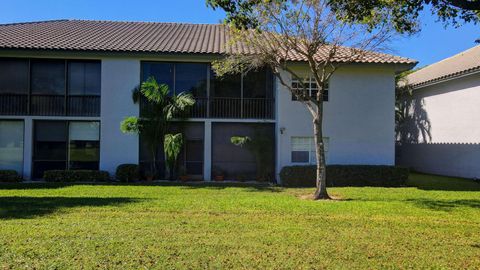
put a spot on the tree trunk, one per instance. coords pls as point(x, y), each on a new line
point(321, 192)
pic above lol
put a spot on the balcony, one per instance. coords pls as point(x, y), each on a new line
point(11, 104)
point(234, 108)
point(50, 105)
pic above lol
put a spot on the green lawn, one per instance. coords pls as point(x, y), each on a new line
point(435, 224)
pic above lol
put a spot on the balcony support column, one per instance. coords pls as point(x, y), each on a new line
point(207, 152)
point(27, 148)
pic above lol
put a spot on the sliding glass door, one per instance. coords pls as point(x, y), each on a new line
point(11, 145)
point(60, 145)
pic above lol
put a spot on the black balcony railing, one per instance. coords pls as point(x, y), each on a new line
point(49, 105)
point(83, 105)
point(13, 104)
point(236, 108)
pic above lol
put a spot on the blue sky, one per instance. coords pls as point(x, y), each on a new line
point(432, 44)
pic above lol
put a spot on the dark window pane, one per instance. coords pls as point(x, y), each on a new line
point(194, 150)
point(48, 77)
point(50, 141)
point(50, 131)
point(13, 76)
point(194, 168)
point(39, 167)
point(84, 78)
point(255, 84)
point(225, 86)
point(162, 72)
point(50, 151)
point(191, 78)
point(300, 156)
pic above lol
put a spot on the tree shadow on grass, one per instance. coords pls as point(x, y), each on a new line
point(253, 186)
point(30, 207)
point(249, 187)
point(445, 205)
point(442, 183)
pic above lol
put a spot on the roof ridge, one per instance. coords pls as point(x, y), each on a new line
point(108, 21)
point(34, 22)
point(143, 22)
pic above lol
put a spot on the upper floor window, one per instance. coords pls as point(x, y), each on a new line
point(48, 77)
point(50, 87)
point(13, 76)
point(248, 95)
point(179, 77)
point(84, 78)
point(309, 88)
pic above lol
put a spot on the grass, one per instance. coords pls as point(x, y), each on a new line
point(433, 224)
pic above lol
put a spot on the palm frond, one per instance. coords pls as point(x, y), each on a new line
point(154, 92)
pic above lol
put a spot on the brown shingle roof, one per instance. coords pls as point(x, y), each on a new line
point(110, 36)
point(460, 64)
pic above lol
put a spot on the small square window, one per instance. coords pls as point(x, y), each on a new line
point(300, 156)
point(303, 149)
point(311, 89)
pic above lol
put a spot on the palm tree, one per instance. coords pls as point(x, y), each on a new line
point(157, 111)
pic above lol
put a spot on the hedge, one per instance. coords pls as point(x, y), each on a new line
point(127, 172)
point(9, 176)
point(346, 175)
point(76, 176)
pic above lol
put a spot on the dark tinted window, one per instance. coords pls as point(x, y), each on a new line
point(48, 77)
point(300, 156)
point(83, 78)
point(191, 78)
point(226, 86)
point(50, 140)
point(257, 84)
point(162, 72)
point(13, 76)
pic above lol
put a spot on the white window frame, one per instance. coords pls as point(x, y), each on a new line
point(311, 86)
point(312, 159)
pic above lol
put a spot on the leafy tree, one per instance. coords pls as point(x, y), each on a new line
point(402, 14)
point(159, 110)
point(278, 30)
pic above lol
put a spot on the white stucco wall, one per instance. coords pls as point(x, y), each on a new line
point(119, 78)
point(452, 146)
point(358, 118)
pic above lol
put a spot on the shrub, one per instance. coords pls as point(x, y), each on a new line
point(346, 175)
point(127, 172)
point(76, 176)
point(9, 176)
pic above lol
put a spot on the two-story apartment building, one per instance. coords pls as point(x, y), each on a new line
point(66, 85)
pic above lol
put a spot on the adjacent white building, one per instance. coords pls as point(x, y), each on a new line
point(441, 130)
point(65, 86)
